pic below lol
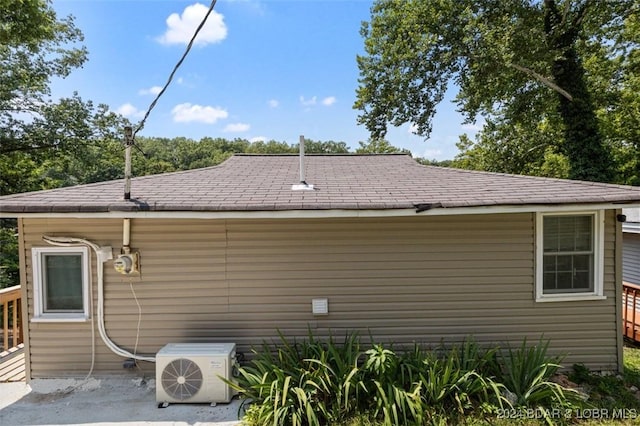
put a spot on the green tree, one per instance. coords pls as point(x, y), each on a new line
point(43, 143)
point(39, 136)
point(85, 142)
point(379, 146)
point(319, 147)
point(270, 147)
point(518, 148)
point(9, 265)
point(34, 47)
point(616, 81)
point(516, 62)
point(535, 146)
point(434, 162)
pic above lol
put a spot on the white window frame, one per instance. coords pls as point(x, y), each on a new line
point(37, 255)
point(598, 259)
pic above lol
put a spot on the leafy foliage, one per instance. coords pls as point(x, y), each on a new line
point(317, 382)
point(38, 134)
point(526, 374)
point(9, 263)
point(379, 146)
point(35, 47)
point(557, 65)
point(308, 383)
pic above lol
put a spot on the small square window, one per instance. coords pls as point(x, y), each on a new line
point(61, 283)
point(569, 256)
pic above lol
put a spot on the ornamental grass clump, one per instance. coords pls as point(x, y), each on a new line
point(302, 383)
point(526, 373)
point(391, 384)
point(321, 382)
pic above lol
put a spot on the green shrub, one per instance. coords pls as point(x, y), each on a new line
point(388, 378)
point(315, 382)
point(526, 373)
point(304, 383)
point(458, 381)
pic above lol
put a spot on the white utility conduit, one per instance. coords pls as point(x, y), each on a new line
point(102, 255)
point(126, 235)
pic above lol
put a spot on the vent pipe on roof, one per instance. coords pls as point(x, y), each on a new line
point(303, 185)
point(128, 142)
point(302, 177)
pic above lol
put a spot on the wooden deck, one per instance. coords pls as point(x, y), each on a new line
point(12, 365)
point(631, 311)
point(12, 368)
point(11, 317)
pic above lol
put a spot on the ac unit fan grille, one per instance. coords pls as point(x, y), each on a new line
point(181, 379)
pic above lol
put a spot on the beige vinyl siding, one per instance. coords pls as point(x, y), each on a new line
point(424, 279)
point(631, 258)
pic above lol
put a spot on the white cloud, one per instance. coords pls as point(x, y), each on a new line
point(129, 110)
point(258, 139)
point(328, 101)
point(273, 103)
point(153, 90)
point(180, 28)
point(236, 127)
point(186, 113)
point(413, 128)
point(308, 102)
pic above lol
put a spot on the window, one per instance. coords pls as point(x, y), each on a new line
point(61, 283)
point(569, 256)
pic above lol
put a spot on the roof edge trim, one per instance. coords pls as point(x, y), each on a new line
point(329, 213)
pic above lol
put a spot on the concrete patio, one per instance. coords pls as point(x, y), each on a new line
point(103, 402)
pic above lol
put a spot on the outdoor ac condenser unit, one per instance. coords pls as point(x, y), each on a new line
point(190, 373)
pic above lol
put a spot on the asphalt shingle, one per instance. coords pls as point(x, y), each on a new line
point(361, 182)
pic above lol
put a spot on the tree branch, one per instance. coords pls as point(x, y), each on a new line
point(581, 13)
point(544, 80)
point(553, 8)
point(565, 13)
point(24, 148)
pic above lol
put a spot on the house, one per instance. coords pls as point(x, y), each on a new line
point(631, 246)
point(375, 243)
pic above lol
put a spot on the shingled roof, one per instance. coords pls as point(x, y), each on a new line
point(344, 182)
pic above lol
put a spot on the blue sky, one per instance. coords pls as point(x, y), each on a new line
point(261, 69)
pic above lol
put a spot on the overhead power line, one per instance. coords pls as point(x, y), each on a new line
point(175, 69)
